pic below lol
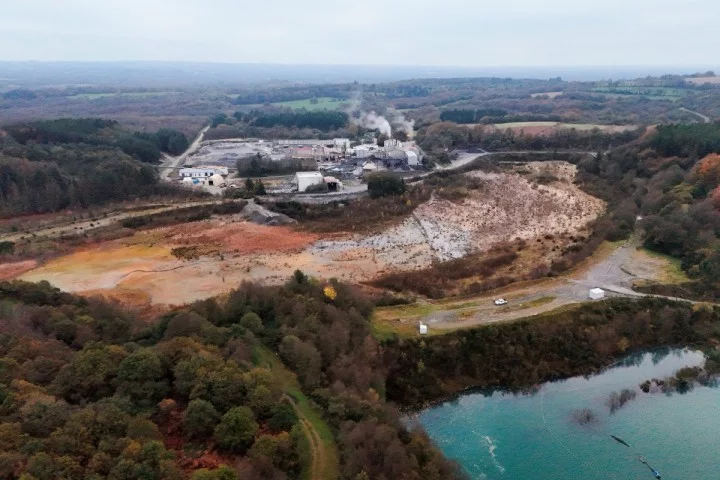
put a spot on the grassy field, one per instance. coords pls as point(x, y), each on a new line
point(321, 461)
point(323, 103)
point(95, 96)
point(673, 272)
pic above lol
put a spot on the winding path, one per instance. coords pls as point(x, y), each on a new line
point(704, 118)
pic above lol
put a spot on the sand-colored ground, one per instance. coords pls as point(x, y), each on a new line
point(703, 80)
point(11, 270)
point(225, 252)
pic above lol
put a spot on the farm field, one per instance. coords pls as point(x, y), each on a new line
point(703, 80)
point(323, 103)
point(175, 265)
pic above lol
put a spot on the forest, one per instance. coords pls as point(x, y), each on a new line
point(49, 166)
point(522, 354)
point(89, 390)
point(677, 197)
point(441, 136)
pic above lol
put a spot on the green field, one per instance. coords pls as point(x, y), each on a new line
point(320, 103)
point(95, 96)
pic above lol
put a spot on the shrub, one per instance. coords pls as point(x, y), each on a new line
point(317, 188)
point(385, 184)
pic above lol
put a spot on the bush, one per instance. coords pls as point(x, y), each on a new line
point(385, 184)
point(252, 322)
point(317, 188)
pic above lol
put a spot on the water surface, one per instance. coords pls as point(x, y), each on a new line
point(499, 435)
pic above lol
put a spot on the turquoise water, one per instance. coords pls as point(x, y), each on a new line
point(498, 435)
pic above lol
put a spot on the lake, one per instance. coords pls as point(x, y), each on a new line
point(500, 435)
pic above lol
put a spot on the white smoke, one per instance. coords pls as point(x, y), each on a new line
point(374, 121)
point(399, 120)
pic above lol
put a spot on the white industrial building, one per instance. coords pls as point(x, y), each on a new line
point(202, 172)
point(306, 179)
point(412, 158)
point(362, 151)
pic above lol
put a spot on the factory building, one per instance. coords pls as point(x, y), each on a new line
point(306, 179)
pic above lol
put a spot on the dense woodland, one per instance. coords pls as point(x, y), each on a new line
point(678, 197)
point(80, 163)
point(445, 136)
point(88, 390)
point(522, 354)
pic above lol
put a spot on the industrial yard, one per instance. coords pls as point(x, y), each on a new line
point(217, 164)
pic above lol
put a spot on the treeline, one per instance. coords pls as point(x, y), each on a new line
point(324, 120)
point(146, 147)
point(520, 355)
point(687, 140)
point(50, 166)
point(257, 166)
point(447, 136)
point(471, 116)
point(28, 187)
point(88, 390)
point(677, 198)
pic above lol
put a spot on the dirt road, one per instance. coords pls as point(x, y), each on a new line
point(89, 225)
point(614, 269)
point(704, 118)
point(173, 163)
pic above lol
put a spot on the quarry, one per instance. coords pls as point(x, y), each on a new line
point(179, 264)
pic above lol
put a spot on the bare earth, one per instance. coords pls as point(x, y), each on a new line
point(226, 252)
point(614, 268)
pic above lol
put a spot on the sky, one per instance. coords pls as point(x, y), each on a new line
point(368, 32)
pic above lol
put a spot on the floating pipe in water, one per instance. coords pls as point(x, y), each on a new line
point(620, 440)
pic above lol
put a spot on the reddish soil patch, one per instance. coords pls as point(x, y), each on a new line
point(11, 270)
point(243, 237)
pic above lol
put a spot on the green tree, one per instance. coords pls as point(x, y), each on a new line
point(384, 184)
point(141, 377)
point(90, 375)
point(236, 430)
point(200, 419)
point(282, 417)
point(252, 322)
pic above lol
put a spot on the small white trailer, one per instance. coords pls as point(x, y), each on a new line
point(597, 293)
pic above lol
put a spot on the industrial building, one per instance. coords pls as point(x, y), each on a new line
point(306, 179)
point(202, 172)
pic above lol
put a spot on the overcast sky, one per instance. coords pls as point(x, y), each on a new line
point(417, 32)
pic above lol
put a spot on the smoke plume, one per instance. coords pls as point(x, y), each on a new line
point(373, 121)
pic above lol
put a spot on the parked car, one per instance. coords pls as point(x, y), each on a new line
point(500, 301)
